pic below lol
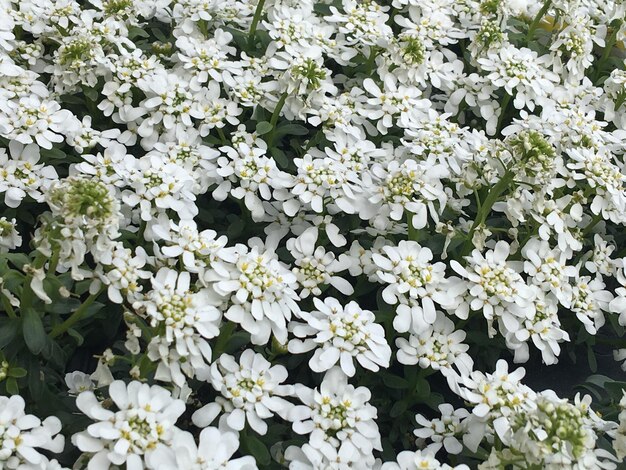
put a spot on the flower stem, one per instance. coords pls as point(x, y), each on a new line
point(76, 316)
point(413, 232)
point(275, 116)
point(537, 19)
point(255, 22)
point(503, 108)
point(608, 47)
point(485, 209)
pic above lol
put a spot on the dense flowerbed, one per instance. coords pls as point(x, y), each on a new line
point(314, 234)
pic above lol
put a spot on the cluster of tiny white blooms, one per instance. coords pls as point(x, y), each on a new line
point(22, 436)
point(251, 391)
point(315, 225)
point(259, 291)
point(619, 443)
point(415, 283)
point(183, 321)
point(85, 218)
point(337, 415)
point(214, 451)
point(495, 287)
point(408, 460)
point(438, 346)
point(314, 266)
point(145, 420)
point(22, 175)
point(444, 431)
point(340, 335)
point(551, 432)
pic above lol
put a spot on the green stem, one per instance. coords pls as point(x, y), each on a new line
point(76, 316)
point(54, 260)
point(503, 108)
point(537, 19)
point(413, 232)
point(255, 21)
point(371, 59)
point(220, 132)
point(275, 116)
point(608, 47)
point(485, 209)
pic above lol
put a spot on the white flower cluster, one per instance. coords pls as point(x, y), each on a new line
point(288, 205)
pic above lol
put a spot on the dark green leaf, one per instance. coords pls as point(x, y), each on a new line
point(17, 372)
point(91, 93)
point(12, 387)
point(279, 156)
point(33, 330)
point(8, 330)
point(291, 129)
point(257, 449)
point(53, 153)
point(134, 32)
point(393, 381)
point(263, 127)
point(398, 408)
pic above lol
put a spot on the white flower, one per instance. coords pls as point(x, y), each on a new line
point(421, 459)
point(314, 266)
point(78, 382)
point(9, 236)
point(23, 175)
point(341, 334)
point(495, 287)
point(337, 414)
point(522, 73)
point(214, 451)
point(414, 280)
point(589, 300)
point(251, 391)
point(183, 321)
point(548, 269)
point(35, 120)
point(22, 435)
point(439, 346)
point(261, 294)
point(445, 430)
point(327, 457)
point(144, 421)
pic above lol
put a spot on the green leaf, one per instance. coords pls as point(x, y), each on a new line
point(393, 381)
point(53, 153)
point(398, 408)
point(12, 387)
point(17, 259)
point(134, 32)
point(591, 358)
point(290, 129)
point(8, 330)
point(33, 330)
point(77, 336)
point(257, 449)
point(71, 99)
point(91, 93)
point(279, 156)
point(159, 35)
point(263, 127)
point(17, 372)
